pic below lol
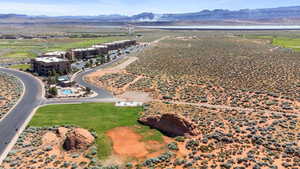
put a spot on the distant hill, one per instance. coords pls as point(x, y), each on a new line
point(244, 14)
point(5, 16)
point(281, 15)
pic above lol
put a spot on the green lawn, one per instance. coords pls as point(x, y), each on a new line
point(293, 43)
point(80, 43)
point(30, 48)
point(21, 66)
point(20, 54)
point(286, 42)
point(100, 117)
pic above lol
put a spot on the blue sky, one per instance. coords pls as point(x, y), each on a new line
point(130, 7)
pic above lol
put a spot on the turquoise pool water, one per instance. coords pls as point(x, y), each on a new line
point(67, 91)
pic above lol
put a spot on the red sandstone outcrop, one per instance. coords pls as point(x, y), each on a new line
point(62, 131)
point(171, 124)
point(50, 138)
point(78, 139)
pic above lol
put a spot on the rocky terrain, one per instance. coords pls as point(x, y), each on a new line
point(10, 91)
point(170, 123)
point(224, 102)
point(230, 139)
point(53, 147)
point(252, 95)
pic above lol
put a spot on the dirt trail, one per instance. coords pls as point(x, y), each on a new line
point(160, 39)
point(123, 65)
point(227, 107)
point(127, 143)
point(119, 68)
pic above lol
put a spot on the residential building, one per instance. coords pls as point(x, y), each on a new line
point(120, 44)
point(102, 49)
point(46, 65)
point(84, 53)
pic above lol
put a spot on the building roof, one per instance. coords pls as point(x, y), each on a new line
point(109, 43)
point(83, 49)
point(63, 78)
point(55, 53)
point(99, 46)
point(50, 59)
point(117, 42)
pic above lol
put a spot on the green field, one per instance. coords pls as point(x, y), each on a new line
point(100, 117)
point(285, 42)
point(292, 43)
point(30, 48)
point(21, 66)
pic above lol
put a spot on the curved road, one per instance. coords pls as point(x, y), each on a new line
point(19, 116)
point(13, 123)
point(102, 95)
point(15, 119)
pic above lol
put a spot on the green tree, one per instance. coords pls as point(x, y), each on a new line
point(53, 91)
point(87, 65)
point(88, 90)
point(53, 73)
point(51, 80)
point(91, 62)
point(102, 59)
point(107, 58)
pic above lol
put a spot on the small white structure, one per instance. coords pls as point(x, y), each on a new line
point(129, 104)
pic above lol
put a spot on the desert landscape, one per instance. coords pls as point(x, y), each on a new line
point(210, 99)
point(226, 71)
point(221, 111)
point(10, 91)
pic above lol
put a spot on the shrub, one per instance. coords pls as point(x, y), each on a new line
point(173, 146)
point(53, 91)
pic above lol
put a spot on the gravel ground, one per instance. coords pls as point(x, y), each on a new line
point(10, 91)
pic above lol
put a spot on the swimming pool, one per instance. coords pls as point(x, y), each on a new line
point(67, 92)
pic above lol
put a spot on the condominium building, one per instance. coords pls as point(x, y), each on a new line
point(46, 65)
point(84, 53)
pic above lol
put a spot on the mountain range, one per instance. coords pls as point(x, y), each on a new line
point(284, 15)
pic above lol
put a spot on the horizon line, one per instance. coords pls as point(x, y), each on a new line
point(45, 15)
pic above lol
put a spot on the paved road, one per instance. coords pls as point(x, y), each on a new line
point(17, 117)
point(33, 97)
point(102, 95)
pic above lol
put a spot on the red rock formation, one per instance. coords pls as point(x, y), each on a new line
point(78, 139)
point(171, 124)
point(62, 131)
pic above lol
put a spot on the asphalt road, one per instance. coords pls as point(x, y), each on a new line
point(33, 98)
point(102, 95)
point(17, 116)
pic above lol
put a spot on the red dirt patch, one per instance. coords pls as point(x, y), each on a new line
point(127, 143)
